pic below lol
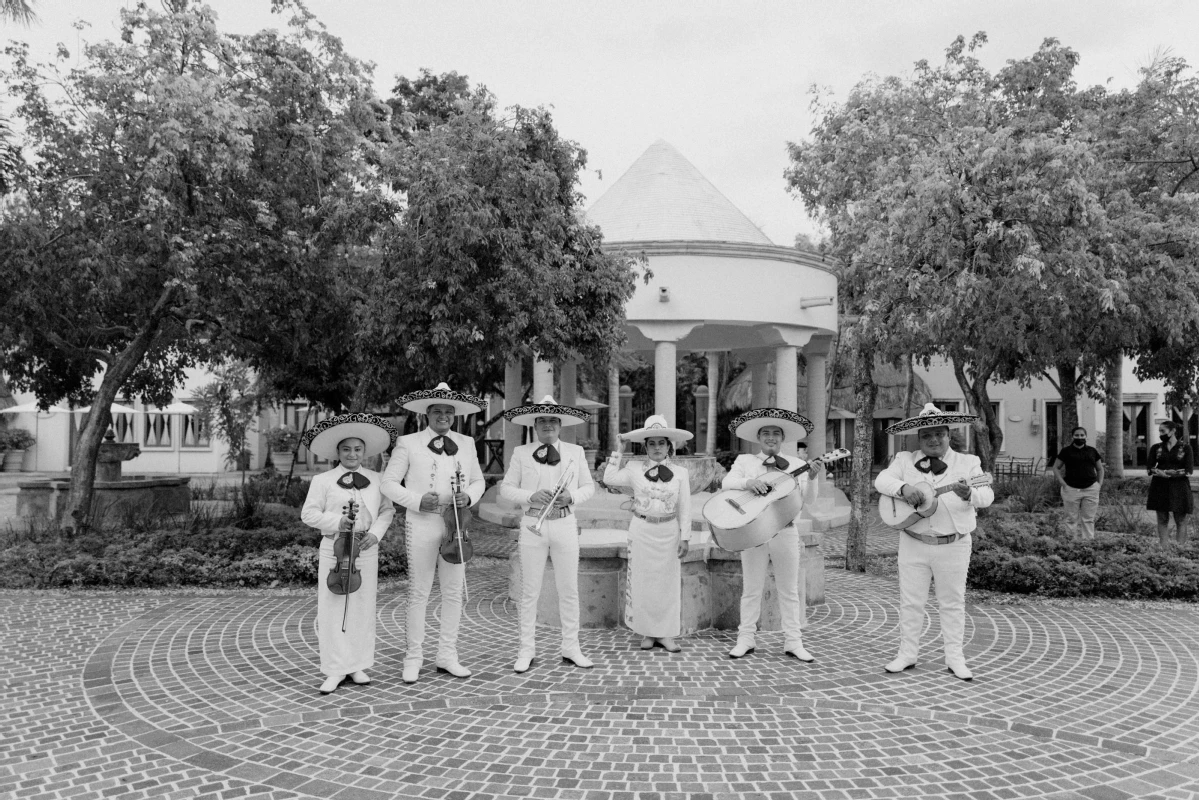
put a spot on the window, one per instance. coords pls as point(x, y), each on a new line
point(193, 432)
point(158, 430)
point(948, 405)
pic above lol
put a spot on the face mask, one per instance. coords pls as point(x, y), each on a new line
point(1165, 437)
point(1079, 440)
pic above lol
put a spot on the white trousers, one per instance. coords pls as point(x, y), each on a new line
point(559, 540)
point(348, 652)
point(946, 564)
point(423, 533)
point(1081, 506)
point(783, 550)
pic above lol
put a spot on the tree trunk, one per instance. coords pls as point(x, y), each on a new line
point(1067, 378)
point(988, 434)
point(909, 390)
point(1113, 455)
point(865, 392)
point(361, 394)
point(614, 405)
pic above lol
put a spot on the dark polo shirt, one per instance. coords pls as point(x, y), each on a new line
point(1081, 465)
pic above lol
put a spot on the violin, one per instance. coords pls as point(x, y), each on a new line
point(455, 545)
point(346, 578)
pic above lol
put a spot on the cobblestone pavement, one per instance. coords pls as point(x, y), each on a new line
point(215, 695)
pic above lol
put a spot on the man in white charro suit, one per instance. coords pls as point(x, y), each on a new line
point(935, 549)
point(534, 472)
point(418, 477)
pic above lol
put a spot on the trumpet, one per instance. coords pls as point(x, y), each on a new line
point(566, 478)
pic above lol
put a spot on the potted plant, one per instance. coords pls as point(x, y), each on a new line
point(15, 442)
point(282, 441)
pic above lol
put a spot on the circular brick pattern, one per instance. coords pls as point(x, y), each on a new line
point(227, 685)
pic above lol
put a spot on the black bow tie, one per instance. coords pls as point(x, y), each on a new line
point(546, 454)
point(931, 464)
point(659, 473)
point(353, 480)
point(443, 444)
point(776, 461)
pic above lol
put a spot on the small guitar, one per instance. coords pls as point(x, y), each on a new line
point(896, 512)
point(740, 519)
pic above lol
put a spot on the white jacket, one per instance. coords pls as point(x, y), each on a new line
point(323, 505)
point(414, 470)
point(953, 514)
point(525, 476)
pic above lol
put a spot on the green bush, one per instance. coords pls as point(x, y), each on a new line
point(1124, 490)
point(1034, 554)
point(1027, 492)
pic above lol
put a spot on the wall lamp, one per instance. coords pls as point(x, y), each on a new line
point(663, 294)
point(812, 302)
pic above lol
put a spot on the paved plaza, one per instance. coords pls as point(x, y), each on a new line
point(215, 695)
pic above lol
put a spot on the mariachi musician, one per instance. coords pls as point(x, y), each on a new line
point(935, 549)
point(346, 622)
point(549, 478)
point(769, 427)
point(421, 477)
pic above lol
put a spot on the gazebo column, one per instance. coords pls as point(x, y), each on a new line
point(816, 353)
point(786, 378)
point(512, 398)
point(665, 379)
point(543, 380)
point(569, 378)
point(757, 362)
point(713, 399)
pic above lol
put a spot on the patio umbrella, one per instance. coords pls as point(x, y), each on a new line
point(182, 409)
point(114, 409)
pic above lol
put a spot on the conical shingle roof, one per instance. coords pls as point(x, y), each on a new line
point(663, 197)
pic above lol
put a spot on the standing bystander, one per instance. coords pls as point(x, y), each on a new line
point(1079, 470)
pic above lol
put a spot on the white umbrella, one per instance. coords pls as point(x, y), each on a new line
point(115, 408)
point(31, 408)
point(183, 409)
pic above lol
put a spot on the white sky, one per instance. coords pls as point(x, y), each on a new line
point(724, 82)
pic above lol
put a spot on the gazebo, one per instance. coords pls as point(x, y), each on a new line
point(719, 285)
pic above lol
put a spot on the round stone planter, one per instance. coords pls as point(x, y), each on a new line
point(13, 459)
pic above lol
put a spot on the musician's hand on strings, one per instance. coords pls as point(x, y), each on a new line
point(541, 497)
point(429, 502)
point(564, 499)
point(911, 496)
point(462, 500)
point(962, 489)
point(758, 487)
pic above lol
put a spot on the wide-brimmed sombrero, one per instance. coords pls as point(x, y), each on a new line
point(463, 403)
point(377, 434)
point(568, 415)
point(656, 426)
point(794, 426)
point(931, 417)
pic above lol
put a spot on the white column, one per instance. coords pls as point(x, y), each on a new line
point(816, 354)
point(713, 398)
point(759, 396)
point(570, 397)
point(786, 376)
point(665, 369)
point(512, 386)
point(543, 380)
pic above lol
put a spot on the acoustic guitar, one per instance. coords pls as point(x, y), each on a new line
point(740, 519)
point(898, 513)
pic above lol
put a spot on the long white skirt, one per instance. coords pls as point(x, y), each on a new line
point(345, 653)
point(654, 607)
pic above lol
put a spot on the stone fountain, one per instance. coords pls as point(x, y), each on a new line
point(115, 497)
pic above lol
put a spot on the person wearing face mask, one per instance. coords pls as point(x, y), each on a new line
point(1170, 462)
point(420, 478)
point(936, 548)
point(769, 427)
point(534, 474)
point(658, 532)
point(1079, 471)
point(346, 623)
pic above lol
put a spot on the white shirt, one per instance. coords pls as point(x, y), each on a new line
point(953, 514)
point(525, 476)
point(415, 470)
point(326, 500)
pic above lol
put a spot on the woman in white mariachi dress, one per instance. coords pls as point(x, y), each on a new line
point(657, 533)
point(349, 439)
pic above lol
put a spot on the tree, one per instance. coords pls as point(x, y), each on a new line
point(20, 11)
point(191, 189)
point(229, 406)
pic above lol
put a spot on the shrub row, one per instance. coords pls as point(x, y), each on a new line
point(1034, 554)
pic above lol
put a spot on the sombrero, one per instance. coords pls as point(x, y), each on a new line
point(378, 434)
point(931, 417)
point(568, 415)
point(656, 426)
point(463, 404)
point(795, 426)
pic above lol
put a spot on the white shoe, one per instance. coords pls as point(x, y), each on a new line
point(410, 673)
point(800, 653)
point(741, 649)
point(522, 664)
point(453, 668)
point(331, 683)
point(360, 678)
point(960, 670)
point(900, 664)
point(578, 659)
